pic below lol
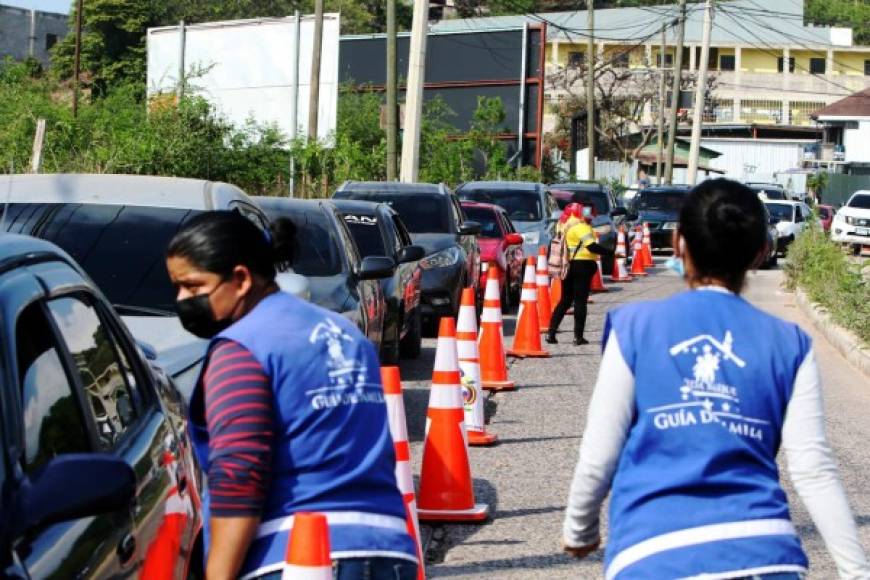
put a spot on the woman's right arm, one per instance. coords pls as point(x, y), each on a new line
point(814, 472)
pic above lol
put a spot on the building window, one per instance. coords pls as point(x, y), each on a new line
point(817, 66)
point(727, 62)
point(867, 68)
point(620, 60)
point(576, 58)
point(779, 63)
point(50, 41)
point(669, 60)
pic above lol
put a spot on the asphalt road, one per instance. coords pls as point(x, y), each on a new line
point(525, 478)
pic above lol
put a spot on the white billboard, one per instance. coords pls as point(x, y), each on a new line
point(246, 68)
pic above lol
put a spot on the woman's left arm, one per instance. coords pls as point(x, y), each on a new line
point(611, 411)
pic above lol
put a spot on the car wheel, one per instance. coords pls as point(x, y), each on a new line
point(390, 351)
point(411, 345)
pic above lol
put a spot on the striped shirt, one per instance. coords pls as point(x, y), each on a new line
point(238, 414)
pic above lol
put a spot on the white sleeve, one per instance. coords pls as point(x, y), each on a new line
point(610, 414)
point(814, 472)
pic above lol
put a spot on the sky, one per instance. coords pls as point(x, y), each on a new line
point(61, 6)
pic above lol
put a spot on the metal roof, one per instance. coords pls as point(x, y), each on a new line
point(855, 105)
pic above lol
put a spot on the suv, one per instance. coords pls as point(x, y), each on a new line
point(436, 222)
point(852, 221)
point(530, 206)
point(791, 219)
point(117, 227)
point(768, 190)
point(659, 207)
point(97, 474)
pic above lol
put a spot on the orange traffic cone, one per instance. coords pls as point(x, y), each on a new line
point(493, 367)
point(469, 368)
point(542, 277)
point(446, 493)
point(619, 273)
point(527, 340)
point(399, 430)
point(598, 279)
point(637, 268)
point(647, 248)
point(308, 549)
point(555, 293)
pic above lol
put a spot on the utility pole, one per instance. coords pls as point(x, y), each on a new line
point(590, 87)
point(675, 93)
point(662, 107)
point(294, 105)
point(77, 59)
point(182, 46)
point(700, 91)
point(414, 93)
point(314, 99)
point(392, 90)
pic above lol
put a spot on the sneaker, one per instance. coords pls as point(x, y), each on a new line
point(580, 341)
point(551, 339)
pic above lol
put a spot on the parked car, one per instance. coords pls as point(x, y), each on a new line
point(97, 472)
point(501, 244)
point(772, 240)
point(530, 206)
point(341, 280)
point(826, 215)
point(608, 215)
point(791, 217)
point(658, 207)
point(768, 190)
point(435, 221)
point(117, 228)
point(378, 231)
point(852, 221)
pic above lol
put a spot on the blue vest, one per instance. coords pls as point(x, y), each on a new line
point(697, 487)
point(333, 452)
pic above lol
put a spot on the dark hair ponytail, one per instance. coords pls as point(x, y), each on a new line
point(218, 241)
point(723, 223)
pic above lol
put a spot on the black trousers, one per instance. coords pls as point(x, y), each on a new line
point(575, 288)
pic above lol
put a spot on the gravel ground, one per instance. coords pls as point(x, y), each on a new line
point(525, 478)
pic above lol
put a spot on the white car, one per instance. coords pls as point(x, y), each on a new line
point(791, 219)
point(852, 221)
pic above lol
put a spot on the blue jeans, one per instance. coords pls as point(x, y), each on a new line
point(366, 569)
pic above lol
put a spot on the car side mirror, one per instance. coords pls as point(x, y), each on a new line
point(470, 228)
point(513, 239)
point(376, 267)
point(71, 486)
point(411, 254)
point(618, 211)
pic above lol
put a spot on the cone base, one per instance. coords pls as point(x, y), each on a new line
point(639, 274)
point(479, 513)
point(626, 279)
point(528, 354)
point(499, 386)
point(481, 438)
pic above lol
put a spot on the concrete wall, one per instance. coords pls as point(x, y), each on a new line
point(755, 159)
point(857, 143)
point(26, 33)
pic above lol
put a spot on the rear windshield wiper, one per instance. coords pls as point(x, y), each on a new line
point(130, 310)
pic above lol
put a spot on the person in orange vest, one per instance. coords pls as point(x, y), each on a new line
point(582, 250)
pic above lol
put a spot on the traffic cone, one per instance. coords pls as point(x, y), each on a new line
point(399, 430)
point(555, 293)
point(619, 273)
point(308, 549)
point(527, 340)
point(542, 277)
point(647, 248)
point(493, 367)
point(469, 368)
point(598, 279)
point(446, 492)
point(637, 268)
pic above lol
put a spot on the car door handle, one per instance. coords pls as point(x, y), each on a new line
point(126, 548)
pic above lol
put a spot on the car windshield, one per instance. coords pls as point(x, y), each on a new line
point(666, 201)
point(366, 233)
point(521, 206)
point(598, 199)
point(487, 220)
point(317, 252)
point(770, 191)
point(122, 248)
point(421, 214)
point(781, 211)
point(860, 202)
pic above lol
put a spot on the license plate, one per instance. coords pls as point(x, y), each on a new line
point(862, 231)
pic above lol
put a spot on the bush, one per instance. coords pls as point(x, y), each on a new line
point(824, 272)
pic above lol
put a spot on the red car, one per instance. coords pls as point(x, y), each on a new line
point(500, 244)
point(826, 216)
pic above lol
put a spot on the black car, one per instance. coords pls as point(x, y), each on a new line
point(659, 208)
point(609, 216)
point(97, 473)
point(436, 222)
point(340, 279)
point(379, 231)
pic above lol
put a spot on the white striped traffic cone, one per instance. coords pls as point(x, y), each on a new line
point(469, 366)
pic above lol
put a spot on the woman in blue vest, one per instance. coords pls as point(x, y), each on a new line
point(695, 396)
point(288, 414)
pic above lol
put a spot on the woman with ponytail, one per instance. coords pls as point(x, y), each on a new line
point(288, 413)
point(695, 396)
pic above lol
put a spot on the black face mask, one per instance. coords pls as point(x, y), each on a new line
point(197, 317)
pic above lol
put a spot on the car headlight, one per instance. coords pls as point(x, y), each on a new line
point(531, 237)
point(850, 220)
point(669, 226)
point(441, 259)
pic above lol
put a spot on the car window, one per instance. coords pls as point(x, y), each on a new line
point(523, 206)
point(52, 418)
point(781, 211)
point(597, 199)
point(353, 254)
point(552, 206)
point(860, 202)
point(488, 220)
point(388, 228)
point(105, 374)
point(404, 236)
point(669, 201)
point(366, 233)
point(508, 225)
point(458, 215)
point(316, 250)
point(421, 214)
point(253, 215)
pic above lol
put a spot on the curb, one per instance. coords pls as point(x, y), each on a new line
point(843, 340)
